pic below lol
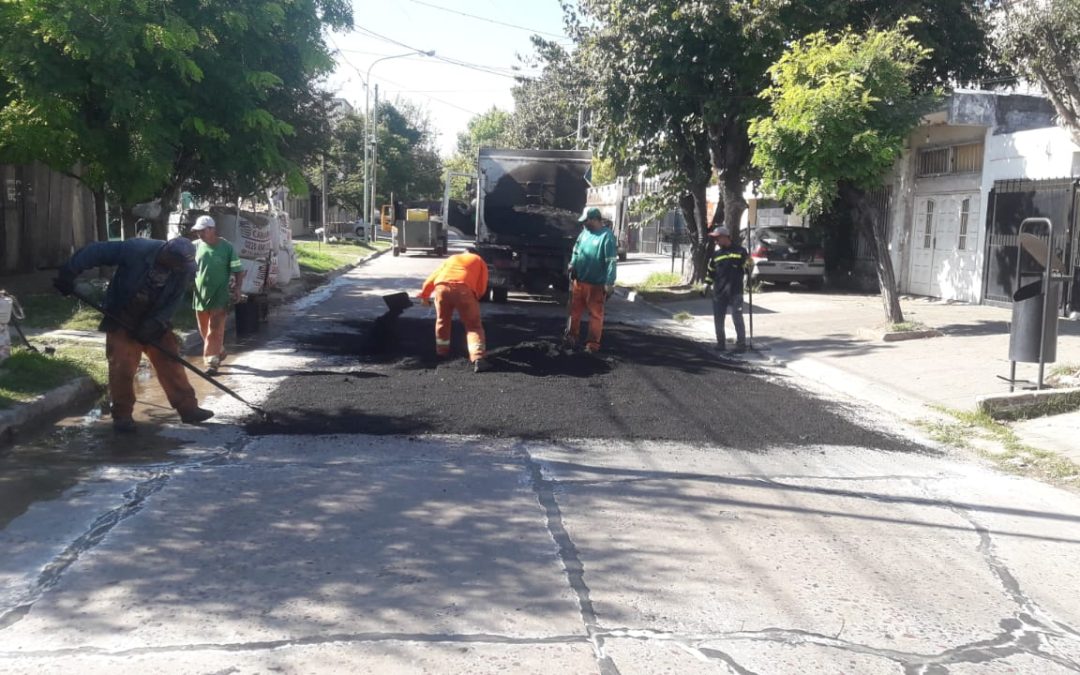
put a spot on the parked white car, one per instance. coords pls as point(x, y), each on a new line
point(783, 255)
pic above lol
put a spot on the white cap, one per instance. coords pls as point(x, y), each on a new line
point(203, 223)
point(720, 231)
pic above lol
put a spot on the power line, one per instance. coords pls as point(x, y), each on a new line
point(494, 21)
point(437, 57)
point(502, 70)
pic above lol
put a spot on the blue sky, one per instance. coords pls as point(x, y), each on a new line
point(451, 93)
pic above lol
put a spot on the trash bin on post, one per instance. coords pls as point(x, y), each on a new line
point(1034, 329)
point(1029, 323)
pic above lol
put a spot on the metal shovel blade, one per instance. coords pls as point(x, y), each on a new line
point(397, 302)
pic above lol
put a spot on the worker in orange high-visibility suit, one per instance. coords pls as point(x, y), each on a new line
point(458, 284)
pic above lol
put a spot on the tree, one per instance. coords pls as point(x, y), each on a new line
point(840, 112)
point(487, 130)
point(142, 98)
point(547, 107)
point(408, 163)
point(1042, 39)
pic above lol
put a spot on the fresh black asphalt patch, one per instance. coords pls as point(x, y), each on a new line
point(644, 386)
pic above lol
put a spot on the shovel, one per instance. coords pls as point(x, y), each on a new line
point(397, 302)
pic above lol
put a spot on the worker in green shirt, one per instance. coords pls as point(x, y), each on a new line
point(592, 270)
point(216, 264)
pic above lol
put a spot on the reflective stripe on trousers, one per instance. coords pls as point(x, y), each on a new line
point(458, 297)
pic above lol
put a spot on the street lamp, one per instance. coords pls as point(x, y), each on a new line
point(369, 143)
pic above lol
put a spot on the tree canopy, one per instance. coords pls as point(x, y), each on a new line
point(839, 111)
point(1042, 40)
point(143, 97)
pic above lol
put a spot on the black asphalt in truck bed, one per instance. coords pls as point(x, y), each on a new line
point(647, 386)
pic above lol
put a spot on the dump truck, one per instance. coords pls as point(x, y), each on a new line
point(527, 208)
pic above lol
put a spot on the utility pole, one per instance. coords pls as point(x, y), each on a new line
point(580, 128)
point(374, 165)
point(326, 231)
point(369, 129)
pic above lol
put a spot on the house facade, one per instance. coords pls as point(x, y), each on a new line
point(945, 229)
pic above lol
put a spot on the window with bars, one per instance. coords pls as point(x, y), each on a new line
point(933, 161)
point(965, 214)
point(966, 158)
point(928, 225)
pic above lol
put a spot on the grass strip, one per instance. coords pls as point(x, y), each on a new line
point(26, 375)
point(965, 430)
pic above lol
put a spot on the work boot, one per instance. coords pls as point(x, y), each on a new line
point(740, 347)
point(195, 415)
point(212, 365)
point(123, 425)
point(481, 366)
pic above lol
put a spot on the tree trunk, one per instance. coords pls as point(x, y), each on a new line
point(169, 199)
point(101, 216)
point(695, 212)
point(869, 220)
point(127, 221)
point(731, 191)
point(729, 152)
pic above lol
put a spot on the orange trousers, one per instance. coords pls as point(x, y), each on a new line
point(124, 353)
point(450, 297)
point(591, 297)
point(212, 330)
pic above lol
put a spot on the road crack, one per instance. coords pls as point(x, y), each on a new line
point(571, 561)
point(312, 641)
point(133, 502)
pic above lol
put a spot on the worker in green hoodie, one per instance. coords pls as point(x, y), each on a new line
point(592, 270)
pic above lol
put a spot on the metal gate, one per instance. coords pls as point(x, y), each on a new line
point(1011, 201)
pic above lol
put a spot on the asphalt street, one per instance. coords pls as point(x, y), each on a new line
point(651, 511)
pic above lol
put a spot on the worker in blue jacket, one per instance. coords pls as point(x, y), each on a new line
point(726, 271)
point(147, 287)
point(592, 271)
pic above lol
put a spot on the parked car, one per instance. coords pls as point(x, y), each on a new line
point(786, 254)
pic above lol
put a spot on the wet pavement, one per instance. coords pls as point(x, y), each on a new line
point(708, 520)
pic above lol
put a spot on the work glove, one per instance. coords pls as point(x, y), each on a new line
point(64, 284)
point(150, 331)
point(609, 290)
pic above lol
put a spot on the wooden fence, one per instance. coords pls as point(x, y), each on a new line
point(44, 217)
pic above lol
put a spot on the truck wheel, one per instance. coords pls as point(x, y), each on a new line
point(486, 297)
point(500, 295)
point(622, 256)
point(397, 251)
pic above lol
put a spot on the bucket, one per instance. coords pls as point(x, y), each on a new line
point(6, 304)
point(247, 317)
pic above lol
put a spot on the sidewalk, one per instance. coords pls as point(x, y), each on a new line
point(837, 337)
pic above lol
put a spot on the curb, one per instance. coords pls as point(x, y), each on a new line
point(901, 336)
point(1029, 404)
point(45, 408)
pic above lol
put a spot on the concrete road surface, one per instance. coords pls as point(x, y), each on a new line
point(653, 511)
